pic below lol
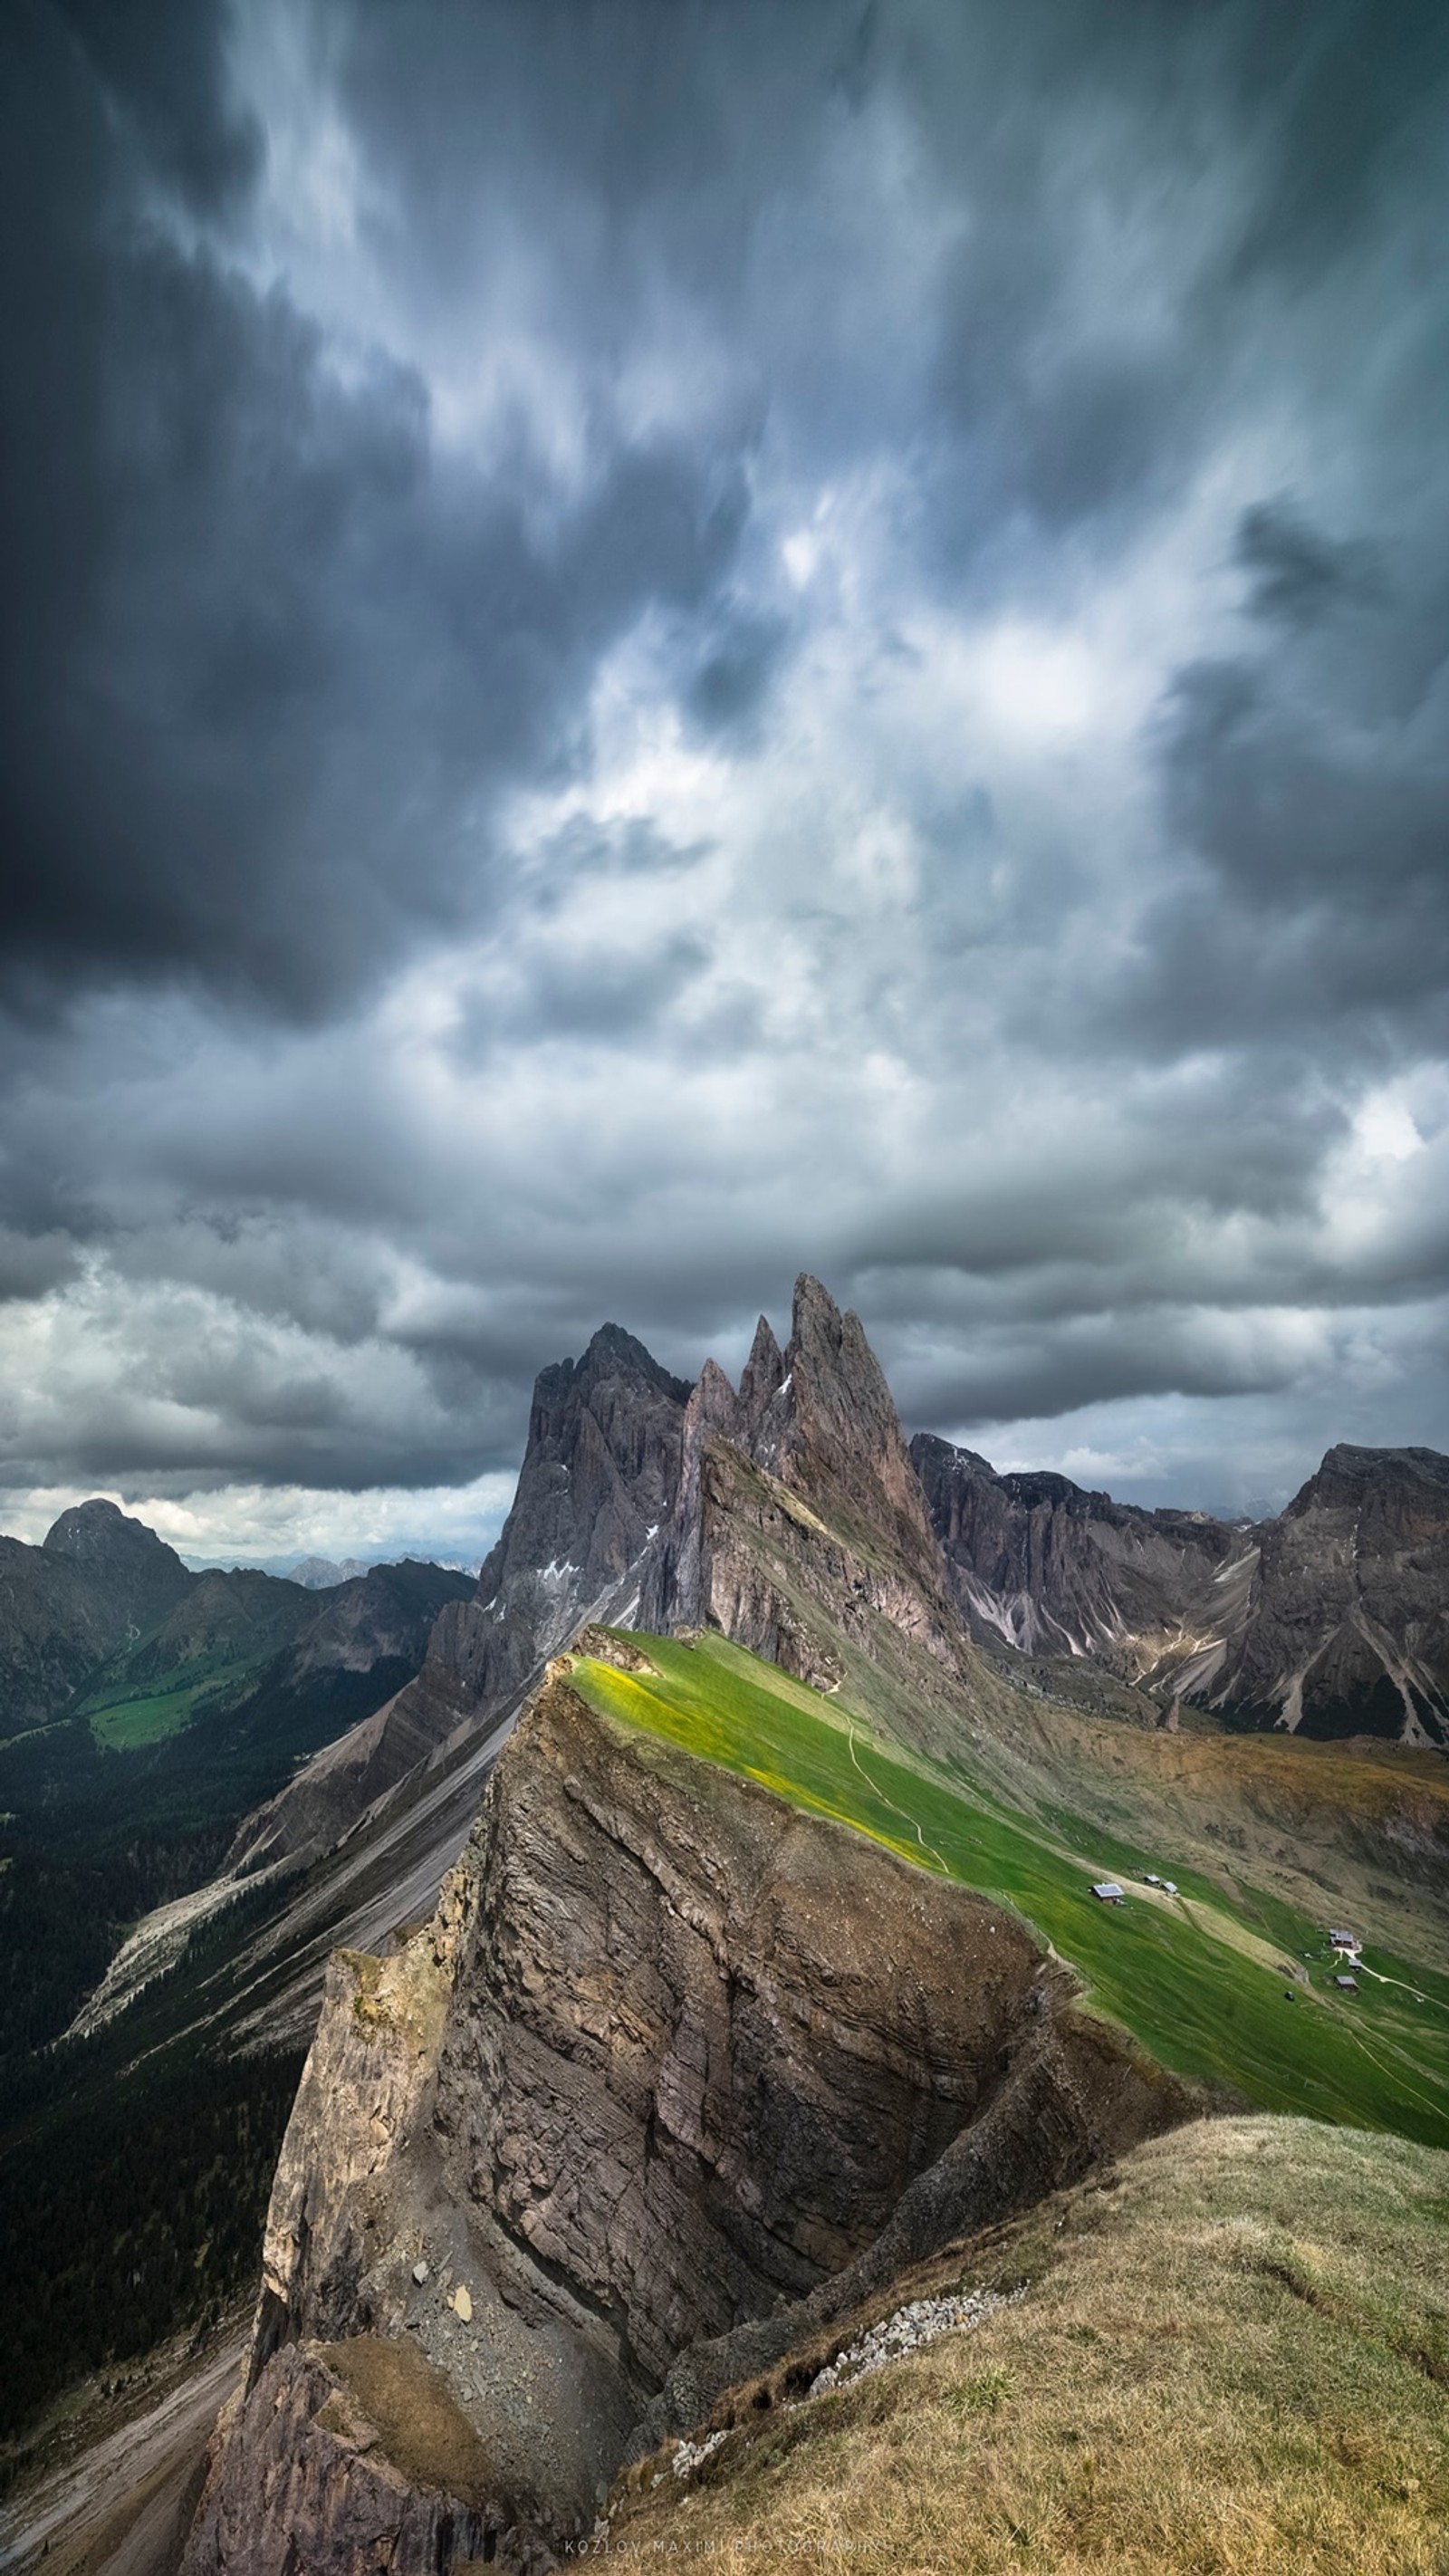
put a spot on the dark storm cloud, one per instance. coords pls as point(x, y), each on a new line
point(732, 680)
point(644, 643)
point(1298, 574)
point(268, 654)
point(1311, 781)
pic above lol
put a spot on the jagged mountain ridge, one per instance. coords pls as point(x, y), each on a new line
point(1329, 1620)
point(599, 1475)
point(641, 1500)
point(554, 2163)
point(630, 1497)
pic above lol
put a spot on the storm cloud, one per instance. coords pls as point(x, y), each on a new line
point(645, 645)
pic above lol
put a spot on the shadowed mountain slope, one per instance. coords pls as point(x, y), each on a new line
point(1331, 1620)
point(599, 1474)
point(97, 1578)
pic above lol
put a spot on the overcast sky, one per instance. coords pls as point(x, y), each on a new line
point(648, 645)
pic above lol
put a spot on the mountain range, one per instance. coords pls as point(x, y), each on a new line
point(1329, 1619)
point(143, 1710)
point(704, 1936)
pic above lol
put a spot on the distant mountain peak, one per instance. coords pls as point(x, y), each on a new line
point(764, 1370)
point(833, 1424)
point(613, 1349)
point(101, 1539)
point(322, 1573)
point(97, 1524)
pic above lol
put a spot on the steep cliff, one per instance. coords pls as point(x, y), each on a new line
point(671, 2058)
point(1056, 1570)
point(801, 1530)
point(1329, 1620)
point(599, 1475)
point(1348, 1625)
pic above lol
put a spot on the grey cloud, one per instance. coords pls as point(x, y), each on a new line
point(1298, 574)
point(827, 343)
point(731, 682)
point(271, 653)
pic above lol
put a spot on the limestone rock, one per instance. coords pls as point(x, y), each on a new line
point(1056, 1570)
point(599, 1475)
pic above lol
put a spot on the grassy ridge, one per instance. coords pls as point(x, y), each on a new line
point(1230, 2360)
point(1196, 1979)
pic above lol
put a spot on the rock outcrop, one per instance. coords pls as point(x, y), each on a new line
point(800, 1519)
point(599, 1476)
point(1329, 1620)
point(1054, 1569)
point(671, 2058)
point(1347, 1631)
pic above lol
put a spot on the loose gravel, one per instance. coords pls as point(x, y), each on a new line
point(907, 2331)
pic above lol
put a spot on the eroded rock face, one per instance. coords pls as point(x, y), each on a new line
point(1349, 1632)
point(799, 1491)
point(670, 2058)
point(1056, 1570)
point(706, 2042)
point(599, 1476)
point(313, 2467)
point(1329, 1619)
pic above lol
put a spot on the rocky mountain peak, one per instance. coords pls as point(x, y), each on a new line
point(102, 1538)
point(1348, 1475)
point(764, 1371)
point(131, 1574)
point(832, 1425)
point(818, 1419)
point(615, 1352)
point(600, 1469)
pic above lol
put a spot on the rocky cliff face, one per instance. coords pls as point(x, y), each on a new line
point(599, 1475)
point(1056, 1570)
point(1348, 1625)
point(1329, 1620)
point(643, 1501)
point(800, 1528)
point(670, 2059)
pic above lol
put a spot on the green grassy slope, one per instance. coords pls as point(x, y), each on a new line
point(201, 1660)
point(149, 1716)
point(1199, 1980)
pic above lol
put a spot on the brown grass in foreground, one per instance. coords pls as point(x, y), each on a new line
point(1232, 2360)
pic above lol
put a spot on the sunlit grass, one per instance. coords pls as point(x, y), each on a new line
point(1197, 1980)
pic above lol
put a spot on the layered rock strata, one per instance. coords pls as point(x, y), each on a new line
point(670, 2059)
point(1054, 1569)
point(1348, 1626)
